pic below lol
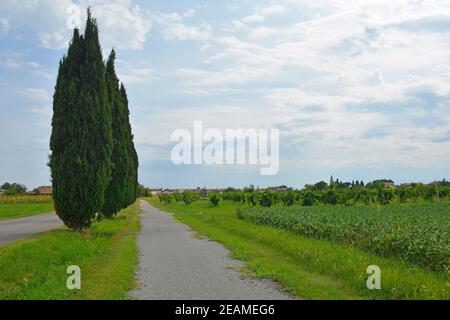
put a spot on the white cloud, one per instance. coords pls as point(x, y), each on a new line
point(349, 83)
point(180, 31)
point(272, 10)
point(45, 111)
point(36, 94)
point(17, 62)
point(33, 64)
point(218, 116)
point(253, 18)
point(313, 123)
point(58, 39)
point(164, 18)
point(353, 73)
point(122, 24)
point(190, 13)
point(12, 64)
point(130, 73)
point(173, 26)
point(5, 26)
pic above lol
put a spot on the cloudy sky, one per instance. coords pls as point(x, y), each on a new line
point(358, 89)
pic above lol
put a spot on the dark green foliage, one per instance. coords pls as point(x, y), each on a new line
point(166, 198)
point(330, 197)
point(81, 141)
point(94, 162)
point(188, 197)
point(414, 232)
point(131, 190)
point(234, 195)
point(13, 189)
point(177, 196)
point(144, 192)
point(357, 195)
point(215, 198)
point(121, 191)
point(266, 199)
point(289, 198)
point(385, 196)
point(251, 198)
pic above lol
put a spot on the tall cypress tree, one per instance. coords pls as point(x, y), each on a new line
point(116, 193)
point(81, 141)
point(133, 160)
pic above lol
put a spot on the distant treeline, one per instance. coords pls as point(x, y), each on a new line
point(374, 193)
point(13, 189)
point(379, 192)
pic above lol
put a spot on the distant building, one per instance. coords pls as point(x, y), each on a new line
point(167, 192)
point(156, 192)
point(202, 192)
point(389, 185)
point(2, 191)
point(199, 191)
point(278, 189)
point(44, 191)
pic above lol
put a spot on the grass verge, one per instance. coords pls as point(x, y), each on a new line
point(17, 210)
point(308, 268)
point(35, 268)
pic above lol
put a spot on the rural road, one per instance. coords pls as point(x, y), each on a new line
point(174, 265)
point(16, 229)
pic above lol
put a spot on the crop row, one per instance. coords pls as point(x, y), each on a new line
point(25, 199)
point(418, 233)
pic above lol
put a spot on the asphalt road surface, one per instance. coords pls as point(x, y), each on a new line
point(16, 229)
point(174, 265)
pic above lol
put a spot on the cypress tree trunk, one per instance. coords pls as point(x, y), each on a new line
point(81, 141)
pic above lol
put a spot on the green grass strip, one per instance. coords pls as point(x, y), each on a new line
point(35, 268)
point(18, 210)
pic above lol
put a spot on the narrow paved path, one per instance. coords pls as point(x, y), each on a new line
point(16, 229)
point(174, 265)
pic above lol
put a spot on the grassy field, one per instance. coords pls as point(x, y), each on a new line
point(35, 268)
point(24, 205)
point(309, 268)
point(17, 210)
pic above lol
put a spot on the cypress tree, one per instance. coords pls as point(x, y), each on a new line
point(81, 141)
point(116, 193)
point(133, 160)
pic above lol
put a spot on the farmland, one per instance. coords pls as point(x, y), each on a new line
point(308, 266)
point(418, 233)
point(25, 199)
point(22, 206)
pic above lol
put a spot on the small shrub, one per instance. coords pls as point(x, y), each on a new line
point(215, 199)
point(266, 199)
point(188, 197)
